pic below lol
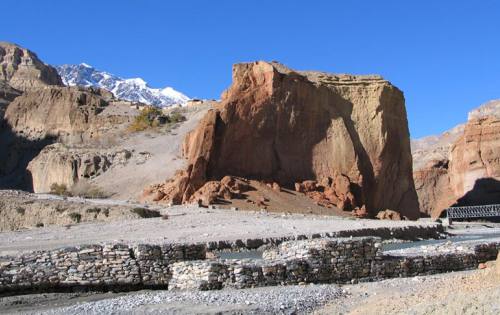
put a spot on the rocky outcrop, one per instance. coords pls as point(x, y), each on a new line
point(7, 95)
point(276, 124)
point(76, 117)
point(22, 69)
point(463, 166)
point(58, 164)
point(70, 114)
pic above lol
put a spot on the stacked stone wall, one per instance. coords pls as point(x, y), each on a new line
point(184, 266)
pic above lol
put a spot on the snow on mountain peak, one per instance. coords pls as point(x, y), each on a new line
point(133, 89)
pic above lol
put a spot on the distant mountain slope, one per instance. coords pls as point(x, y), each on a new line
point(135, 89)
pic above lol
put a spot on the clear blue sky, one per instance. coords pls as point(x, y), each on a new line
point(444, 55)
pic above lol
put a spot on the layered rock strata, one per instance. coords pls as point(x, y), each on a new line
point(462, 167)
point(22, 69)
point(283, 126)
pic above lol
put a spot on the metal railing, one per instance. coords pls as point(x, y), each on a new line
point(485, 211)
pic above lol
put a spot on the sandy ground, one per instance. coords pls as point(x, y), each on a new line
point(162, 152)
point(466, 292)
point(187, 224)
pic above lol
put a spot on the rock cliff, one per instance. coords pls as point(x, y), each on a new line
point(463, 166)
point(70, 114)
point(22, 69)
point(59, 164)
point(73, 116)
point(280, 125)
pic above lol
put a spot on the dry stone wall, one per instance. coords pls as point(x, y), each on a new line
point(184, 266)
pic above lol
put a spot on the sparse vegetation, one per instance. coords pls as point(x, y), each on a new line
point(152, 117)
point(76, 217)
point(84, 189)
point(21, 210)
point(39, 224)
point(149, 117)
point(145, 213)
point(59, 189)
point(60, 209)
point(94, 210)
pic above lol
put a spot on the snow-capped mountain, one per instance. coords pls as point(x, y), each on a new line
point(136, 89)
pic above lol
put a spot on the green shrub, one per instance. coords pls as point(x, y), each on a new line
point(20, 210)
point(39, 224)
point(146, 213)
point(147, 118)
point(76, 217)
point(59, 189)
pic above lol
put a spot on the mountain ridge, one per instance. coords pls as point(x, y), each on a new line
point(130, 89)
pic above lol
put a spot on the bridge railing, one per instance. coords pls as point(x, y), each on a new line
point(484, 211)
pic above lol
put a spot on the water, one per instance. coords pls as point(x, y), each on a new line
point(453, 239)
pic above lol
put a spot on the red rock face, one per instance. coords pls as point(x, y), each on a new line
point(469, 173)
point(278, 125)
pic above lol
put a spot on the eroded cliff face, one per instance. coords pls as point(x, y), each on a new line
point(22, 69)
point(73, 116)
point(58, 164)
point(70, 114)
point(463, 166)
point(276, 124)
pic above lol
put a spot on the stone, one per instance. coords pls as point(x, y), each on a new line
point(388, 215)
point(279, 125)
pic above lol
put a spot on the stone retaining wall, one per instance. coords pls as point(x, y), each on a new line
point(170, 266)
point(95, 266)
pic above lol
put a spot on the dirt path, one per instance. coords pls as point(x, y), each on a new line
point(188, 224)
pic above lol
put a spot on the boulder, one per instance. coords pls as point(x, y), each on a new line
point(388, 215)
point(279, 125)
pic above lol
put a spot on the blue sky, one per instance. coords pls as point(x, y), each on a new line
point(444, 55)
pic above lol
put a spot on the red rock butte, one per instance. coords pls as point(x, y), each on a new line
point(346, 133)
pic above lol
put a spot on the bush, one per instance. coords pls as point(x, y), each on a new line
point(147, 118)
point(146, 213)
point(176, 117)
point(20, 210)
point(39, 224)
point(76, 217)
point(59, 189)
point(84, 189)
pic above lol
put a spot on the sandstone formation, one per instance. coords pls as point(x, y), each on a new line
point(70, 114)
point(59, 164)
point(466, 170)
point(23, 70)
point(348, 133)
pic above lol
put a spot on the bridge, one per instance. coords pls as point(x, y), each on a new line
point(473, 212)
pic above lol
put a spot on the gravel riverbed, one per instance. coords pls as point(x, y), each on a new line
point(301, 299)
